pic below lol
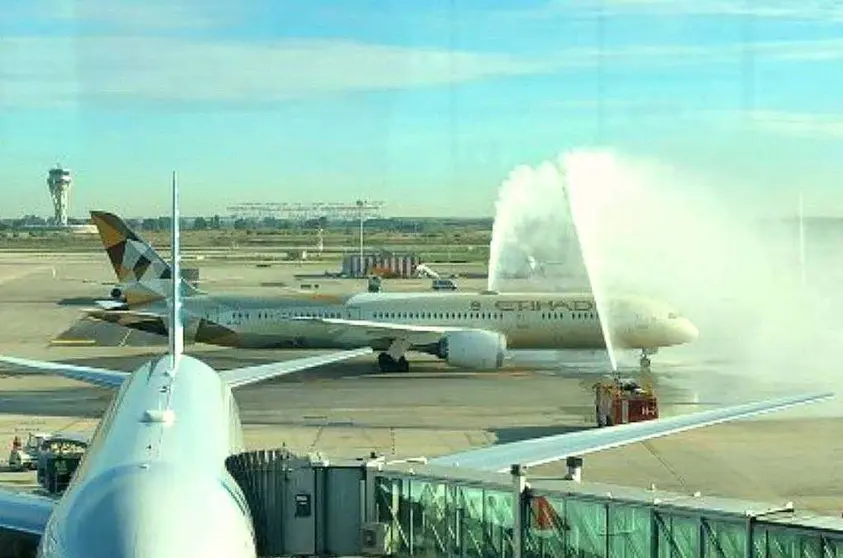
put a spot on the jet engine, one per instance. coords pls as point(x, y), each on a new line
point(482, 350)
point(117, 294)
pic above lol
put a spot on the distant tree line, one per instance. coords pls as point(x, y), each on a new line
point(424, 226)
point(405, 225)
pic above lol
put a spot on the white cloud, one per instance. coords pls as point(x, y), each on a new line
point(61, 70)
point(796, 123)
point(824, 10)
point(38, 71)
point(131, 15)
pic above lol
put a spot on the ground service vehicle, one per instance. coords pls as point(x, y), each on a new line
point(26, 457)
point(621, 401)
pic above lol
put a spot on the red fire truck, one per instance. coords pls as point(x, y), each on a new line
point(620, 401)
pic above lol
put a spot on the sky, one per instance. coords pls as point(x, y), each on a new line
point(425, 105)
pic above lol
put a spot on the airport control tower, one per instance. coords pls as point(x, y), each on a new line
point(59, 181)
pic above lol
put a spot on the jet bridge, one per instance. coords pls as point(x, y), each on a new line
point(308, 506)
point(302, 505)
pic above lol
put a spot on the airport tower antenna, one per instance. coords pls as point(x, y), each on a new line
point(59, 182)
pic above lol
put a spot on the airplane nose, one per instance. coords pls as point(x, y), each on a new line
point(688, 332)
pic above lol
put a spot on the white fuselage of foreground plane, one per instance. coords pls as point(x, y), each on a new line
point(153, 481)
point(527, 320)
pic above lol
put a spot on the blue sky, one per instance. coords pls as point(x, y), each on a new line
point(423, 104)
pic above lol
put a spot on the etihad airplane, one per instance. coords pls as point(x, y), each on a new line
point(468, 330)
point(153, 481)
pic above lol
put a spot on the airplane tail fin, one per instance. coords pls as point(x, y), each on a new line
point(143, 273)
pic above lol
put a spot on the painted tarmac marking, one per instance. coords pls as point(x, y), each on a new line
point(22, 275)
point(73, 342)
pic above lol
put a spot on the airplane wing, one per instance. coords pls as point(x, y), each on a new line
point(96, 376)
point(24, 513)
point(415, 334)
point(248, 375)
point(151, 322)
point(538, 451)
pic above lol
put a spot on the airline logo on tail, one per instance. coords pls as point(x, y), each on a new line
point(136, 264)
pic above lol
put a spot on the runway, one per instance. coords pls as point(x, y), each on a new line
point(348, 410)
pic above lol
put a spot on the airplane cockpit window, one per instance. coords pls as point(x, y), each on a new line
point(672, 316)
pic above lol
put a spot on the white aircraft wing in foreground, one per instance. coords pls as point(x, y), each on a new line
point(555, 448)
point(234, 378)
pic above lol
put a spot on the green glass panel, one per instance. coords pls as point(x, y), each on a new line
point(586, 523)
point(723, 539)
point(472, 527)
point(833, 548)
point(430, 533)
point(499, 519)
point(630, 531)
point(545, 529)
point(677, 535)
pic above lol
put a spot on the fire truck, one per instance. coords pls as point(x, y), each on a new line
point(621, 401)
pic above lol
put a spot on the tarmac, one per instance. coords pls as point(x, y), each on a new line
point(348, 410)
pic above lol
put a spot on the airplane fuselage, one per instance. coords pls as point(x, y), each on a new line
point(527, 320)
point(154, 483)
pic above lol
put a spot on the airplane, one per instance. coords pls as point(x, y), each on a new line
point(153, 480)
point(468, 330)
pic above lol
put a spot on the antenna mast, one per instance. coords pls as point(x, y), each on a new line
point(176, 329)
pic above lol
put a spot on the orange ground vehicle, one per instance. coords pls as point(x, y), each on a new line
point(619, 401)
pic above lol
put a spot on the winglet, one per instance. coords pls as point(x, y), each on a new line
point(176, 328)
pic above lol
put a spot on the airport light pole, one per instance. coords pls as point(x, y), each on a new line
point(360, 205)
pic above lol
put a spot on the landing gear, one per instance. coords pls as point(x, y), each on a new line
point(645, 360)
point(388, 364)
